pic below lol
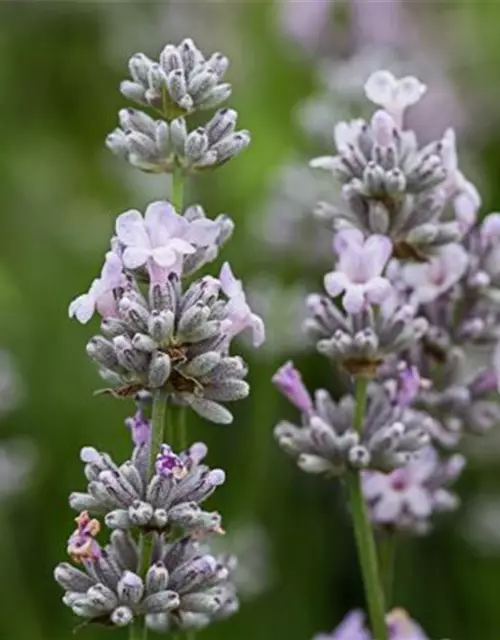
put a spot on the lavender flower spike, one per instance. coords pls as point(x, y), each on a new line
point(358, 274)
point(289, 381)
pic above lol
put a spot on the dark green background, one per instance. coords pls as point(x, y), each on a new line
point(60, 65)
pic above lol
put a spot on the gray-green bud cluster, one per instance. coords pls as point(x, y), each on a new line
point(181, 82)
point(128, 499)
point(176, 341)
point(328, 443)
point(360, 342)
point(157, 146)
point(391, 186)
point(185, 586)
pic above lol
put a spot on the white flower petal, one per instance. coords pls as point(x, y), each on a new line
point(135, 257)
point(380, 88)
point(323, 162)
point(230, 285)
point(130, 229)
point(354, 299)
point(335, 282)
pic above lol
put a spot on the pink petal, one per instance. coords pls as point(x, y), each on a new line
point(383, 128)
point(354, 299)
point(418, 501)
point(408, 91)
point(230, 285)
point(181, 246)
point(130, 229)
point(135, 257)
point(335, 282)
point(388, 507)
point(380, 87)
point(375, 484)
point(165, 256)
point(378, 290)
point(112, 271)
point(347, 238)
point(162, 222)
point(82, 308)
point(258, 330)
point(378, 250)
point(202, 232)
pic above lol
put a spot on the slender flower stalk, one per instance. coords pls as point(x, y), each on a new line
point(386, 547)
point(363, 531)
point(165, 341)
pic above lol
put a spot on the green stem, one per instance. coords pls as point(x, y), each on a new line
point(137, 630)
point(177, 189)
point(387, 555)
point(363, 532)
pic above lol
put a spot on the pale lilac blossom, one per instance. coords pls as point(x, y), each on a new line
point(434, 278)
point(100, 296)
point(490, 230)
point(240, 316)
point(161, 238)
point(289, 382)
point(140, 428)
point(409, 495)
point(352, 627)
point(464, 195)
point(345, 134)
point(359, 270)
point(393, 94)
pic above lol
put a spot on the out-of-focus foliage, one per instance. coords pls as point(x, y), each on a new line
point(60, 65)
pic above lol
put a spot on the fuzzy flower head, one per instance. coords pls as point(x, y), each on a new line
point(161, 238)
point(289, 382)
point(100, 296)
point(463, 194)
point(407, 497)
point(240, 316)
point(82, 544)
point(359, 270)
point(393, 94)
point(439, 275)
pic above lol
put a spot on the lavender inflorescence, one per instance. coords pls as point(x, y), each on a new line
point(165, 340)
point(410, 314)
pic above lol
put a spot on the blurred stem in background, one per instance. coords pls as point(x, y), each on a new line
point(363, 532)
point(386, 546)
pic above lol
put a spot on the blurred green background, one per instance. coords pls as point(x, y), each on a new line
point(60, 66)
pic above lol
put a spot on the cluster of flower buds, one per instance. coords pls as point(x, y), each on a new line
point(185, 586)
point(182, 82)
point(168, 338)
point(173, 339)
point(399, 627)
point(328, 442)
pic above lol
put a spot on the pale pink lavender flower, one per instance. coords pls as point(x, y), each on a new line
point(161, 238)
point(410, 495)
point(240, 316)
point(82, 545)
point(434, 278)
point(405, 387)
point(490, 230)
point(359, 270)
point(464, 195)
point(100, 296)
point(393, 94)
point(140, 428)
point(399, 626)
point(289, 382)
point(345, 135)
point(352, 627)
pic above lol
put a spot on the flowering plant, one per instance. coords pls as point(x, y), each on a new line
point(165, 340)
point(414, 289)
